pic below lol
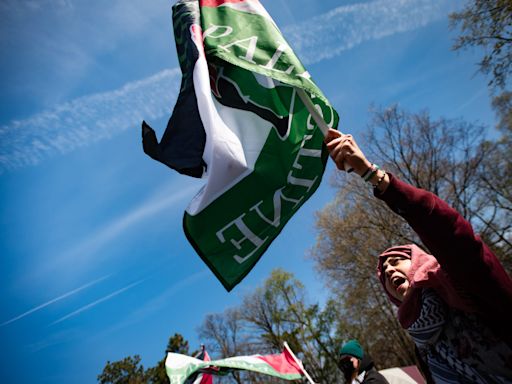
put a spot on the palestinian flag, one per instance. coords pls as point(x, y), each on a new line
point(199, 377)
point(250, 119)
point(284, 365)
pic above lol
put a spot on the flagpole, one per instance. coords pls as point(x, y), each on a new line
point(299, 363)
point(316, 116)
point(313, 111)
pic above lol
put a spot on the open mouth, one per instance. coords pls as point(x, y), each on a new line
point(397, 281)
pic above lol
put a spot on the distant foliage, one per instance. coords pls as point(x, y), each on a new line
point(502, 105)
point(487, 24)
point(126, 371)
point(130, 370)
point(177, 344)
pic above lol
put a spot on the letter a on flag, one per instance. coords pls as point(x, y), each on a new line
point(248, 118)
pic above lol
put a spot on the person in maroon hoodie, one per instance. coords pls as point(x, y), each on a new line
point(456, 300)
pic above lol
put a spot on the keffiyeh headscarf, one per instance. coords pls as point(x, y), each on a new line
point(425, 272)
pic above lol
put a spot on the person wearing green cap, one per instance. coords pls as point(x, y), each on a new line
point(357, 366)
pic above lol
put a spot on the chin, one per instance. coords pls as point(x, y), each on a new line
point(401, 296)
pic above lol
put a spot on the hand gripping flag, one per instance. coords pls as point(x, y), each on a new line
point(249, 117)
point(284, 365)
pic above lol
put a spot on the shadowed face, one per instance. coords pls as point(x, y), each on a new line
point(395, 270)
point(349, 366)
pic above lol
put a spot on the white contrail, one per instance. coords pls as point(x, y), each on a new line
point(39, 307)
point(154, 306)
point(159, 202)
point(472, 99)
point(94, 303)
point(82, 254)
point(345, 27)
point(86, 120)
point(100, 116)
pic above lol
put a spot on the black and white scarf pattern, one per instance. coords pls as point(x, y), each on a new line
point(457, 346)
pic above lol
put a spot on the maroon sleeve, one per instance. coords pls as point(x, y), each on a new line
point(466, 259)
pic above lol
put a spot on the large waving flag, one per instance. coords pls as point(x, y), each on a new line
point(284, 365)
point(249, 117)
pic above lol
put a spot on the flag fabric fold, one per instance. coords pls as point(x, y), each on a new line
point(181, 367)
point(200, 377)
point(247, 118)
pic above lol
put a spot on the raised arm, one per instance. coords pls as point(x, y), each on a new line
point(450, 238)
point(443, 230)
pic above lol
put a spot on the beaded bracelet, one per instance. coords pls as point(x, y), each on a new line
point(370, 172)
point(380, 179)
point(367, 171)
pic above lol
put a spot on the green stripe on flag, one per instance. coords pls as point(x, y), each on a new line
point(233, 231)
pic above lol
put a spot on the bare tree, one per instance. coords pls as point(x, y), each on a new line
point(486, 24)
point(453, 159)
point(276, 312)
point(224, 336)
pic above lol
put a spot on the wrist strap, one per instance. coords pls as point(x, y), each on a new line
point(368, 175)
point(379, 181)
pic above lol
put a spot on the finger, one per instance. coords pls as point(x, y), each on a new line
point(331, 135)
point(335, 138)
point(340, 161)
point(335, 152)
point(331, 145)
point(346, 145)
point(347, 139)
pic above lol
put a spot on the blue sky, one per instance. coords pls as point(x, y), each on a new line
point(94, 262)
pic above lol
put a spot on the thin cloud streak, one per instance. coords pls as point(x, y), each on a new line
point(64, 336)
point(84, 253)
point(326, 36)
point(18, 6)
point(156, 304)
point(97, 117)
point(148, 209)
point(86, 120)
point(164, 299)
point(471, 100)
point(61, 297)
point(95, 303)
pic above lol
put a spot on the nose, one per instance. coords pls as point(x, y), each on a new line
point(389, 270)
